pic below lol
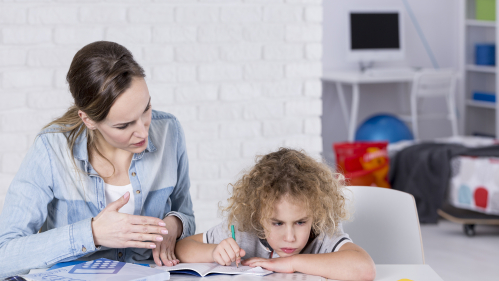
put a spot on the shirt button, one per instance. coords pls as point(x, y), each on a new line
point(120, 254)
point(138, 191)
point(133, 174)
point(83, 249)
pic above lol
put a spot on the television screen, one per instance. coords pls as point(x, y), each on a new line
point(374, 31)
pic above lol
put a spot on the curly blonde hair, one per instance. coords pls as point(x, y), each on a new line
point(291, 173)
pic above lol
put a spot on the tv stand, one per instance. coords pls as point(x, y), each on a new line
point(355, 79)
point(363, 65)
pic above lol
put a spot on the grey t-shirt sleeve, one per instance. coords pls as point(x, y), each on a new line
point(333, 243)
point(216, 234)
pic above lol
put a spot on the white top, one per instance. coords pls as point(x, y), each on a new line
point(114, 193)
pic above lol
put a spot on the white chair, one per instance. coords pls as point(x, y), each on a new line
point(432, 84)
point(385, 223)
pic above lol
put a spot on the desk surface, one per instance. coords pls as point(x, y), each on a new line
point(384, 272)
point(356, 77)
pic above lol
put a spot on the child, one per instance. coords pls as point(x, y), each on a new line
point(287, 211)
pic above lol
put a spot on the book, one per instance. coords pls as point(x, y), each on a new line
point(204, 269)
point(101, 270)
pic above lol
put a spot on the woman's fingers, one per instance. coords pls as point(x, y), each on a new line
point(144, 237)
point(173, 258)
point(165, 259)
point(148, 229)
point(145, 220)
point(137, 244)
point(155, 255)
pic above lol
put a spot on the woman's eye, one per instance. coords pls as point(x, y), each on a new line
point(301, 222)
point(147, 108)
point(122, 127)
point(277, 223)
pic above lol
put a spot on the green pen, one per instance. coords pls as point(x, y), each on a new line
point(234, 237)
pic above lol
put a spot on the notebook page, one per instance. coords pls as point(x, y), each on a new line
point(201, 268)
point(232, 269)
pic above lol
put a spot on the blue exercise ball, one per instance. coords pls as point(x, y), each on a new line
point(383, 127)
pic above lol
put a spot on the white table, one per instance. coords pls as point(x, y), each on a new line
point(356, 78)
point(384, 272)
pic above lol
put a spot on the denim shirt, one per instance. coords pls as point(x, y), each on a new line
point(49, 193)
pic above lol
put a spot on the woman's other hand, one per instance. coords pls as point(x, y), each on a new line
point(117, 230)
point(164, 253)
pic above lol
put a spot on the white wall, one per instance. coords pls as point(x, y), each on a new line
point(439, 22)
point(243, 77)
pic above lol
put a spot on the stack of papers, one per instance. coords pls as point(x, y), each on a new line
point(101, 270)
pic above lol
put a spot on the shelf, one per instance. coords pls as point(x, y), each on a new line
point(481, 68)
point(481, 104)
point(483, 23)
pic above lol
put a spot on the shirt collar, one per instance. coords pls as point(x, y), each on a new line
point(81, 153)
point(266, 245)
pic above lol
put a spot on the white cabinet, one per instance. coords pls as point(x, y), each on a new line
point(481, 118)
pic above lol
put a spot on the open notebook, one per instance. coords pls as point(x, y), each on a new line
point(203, 269)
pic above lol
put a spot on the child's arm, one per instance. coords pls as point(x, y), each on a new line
point(350, 262)
point(192, 249)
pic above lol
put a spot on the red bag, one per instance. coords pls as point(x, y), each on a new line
point(363, 163)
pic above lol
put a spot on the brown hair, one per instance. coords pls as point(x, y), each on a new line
point(99, 73)
point(291, 173)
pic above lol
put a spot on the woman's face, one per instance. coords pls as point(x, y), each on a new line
point(127, 125)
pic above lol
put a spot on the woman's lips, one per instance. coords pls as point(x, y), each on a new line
point(288, 250)
point(139, 143)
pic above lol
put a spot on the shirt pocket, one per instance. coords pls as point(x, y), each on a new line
point(158, 203)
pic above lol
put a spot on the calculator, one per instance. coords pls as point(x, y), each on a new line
point(99, 266)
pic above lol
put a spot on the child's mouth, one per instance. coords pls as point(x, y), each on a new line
point(288, 250)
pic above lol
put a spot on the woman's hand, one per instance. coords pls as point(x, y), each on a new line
point(164, 253)
point(116, 230)
point(227, 252)
point(283, 265)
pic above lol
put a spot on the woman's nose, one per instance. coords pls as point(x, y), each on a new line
point(141, 131)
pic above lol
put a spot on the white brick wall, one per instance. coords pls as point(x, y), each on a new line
point(241, 75)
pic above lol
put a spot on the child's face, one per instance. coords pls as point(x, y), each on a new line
point(288, 228)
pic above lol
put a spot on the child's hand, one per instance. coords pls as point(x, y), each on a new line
point(283, 265)
point(227, 252)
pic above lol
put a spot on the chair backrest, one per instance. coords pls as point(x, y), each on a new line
point(429, 83)
point(385, 223)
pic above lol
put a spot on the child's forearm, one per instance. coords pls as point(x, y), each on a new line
point(189, 250)
point(344, 265)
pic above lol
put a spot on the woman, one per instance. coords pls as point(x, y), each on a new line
point(103, 179)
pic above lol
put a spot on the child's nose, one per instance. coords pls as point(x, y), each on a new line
point(290, 235)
